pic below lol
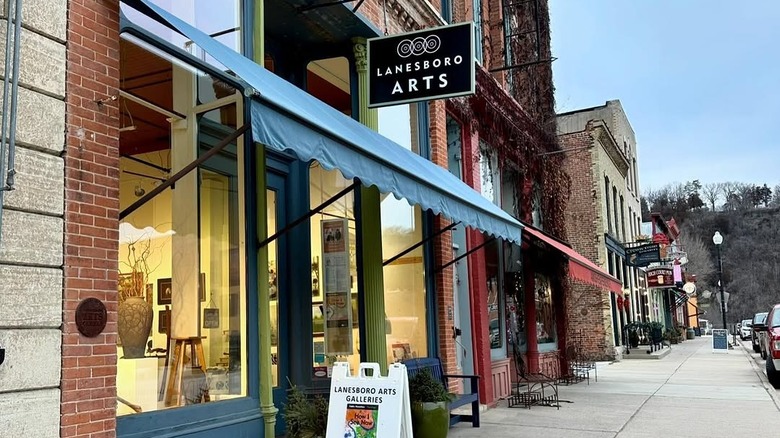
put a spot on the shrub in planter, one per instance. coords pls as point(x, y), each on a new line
point(305, 417)
point(430, 410)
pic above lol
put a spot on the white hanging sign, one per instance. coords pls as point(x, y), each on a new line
point(372, 406)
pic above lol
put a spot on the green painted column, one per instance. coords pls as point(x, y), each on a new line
point(267, 407)
point(371, 231)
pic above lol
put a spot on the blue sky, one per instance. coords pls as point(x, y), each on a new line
point(699, 80)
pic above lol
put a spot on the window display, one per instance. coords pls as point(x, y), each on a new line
point(545, 315)
point(333, 273)
point(182, 302)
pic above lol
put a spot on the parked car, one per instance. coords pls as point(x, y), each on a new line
point(744, 329)
point(773, 346)
point(758, 330)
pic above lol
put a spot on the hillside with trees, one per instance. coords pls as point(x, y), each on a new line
point(748, 217)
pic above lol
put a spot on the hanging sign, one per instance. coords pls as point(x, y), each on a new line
point(660, 278)
point(643, 255)
point(337, 299)
point(369, 406)
point(424, 65)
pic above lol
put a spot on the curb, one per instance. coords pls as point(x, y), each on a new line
point(773, 393)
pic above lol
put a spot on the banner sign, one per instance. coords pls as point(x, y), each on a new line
point(660, 278)
point(338, 302)
point(369, 406)
point(643, 255)
point(423, 65)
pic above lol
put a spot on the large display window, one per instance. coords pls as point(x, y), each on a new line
point(334, 288)
point(182, 299)
point(402, 227)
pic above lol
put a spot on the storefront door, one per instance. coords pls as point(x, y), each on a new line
point(278, 289)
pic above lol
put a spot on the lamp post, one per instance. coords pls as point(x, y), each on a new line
point(717, 239)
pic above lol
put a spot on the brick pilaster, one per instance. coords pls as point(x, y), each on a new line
point(91, 210)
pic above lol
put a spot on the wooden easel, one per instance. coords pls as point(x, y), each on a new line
point(175, 368)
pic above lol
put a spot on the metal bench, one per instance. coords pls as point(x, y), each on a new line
point(413, 366)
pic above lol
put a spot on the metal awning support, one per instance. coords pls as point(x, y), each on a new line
point(184, 171)
point(468, 253)
point(420, 243)
point(308, 215)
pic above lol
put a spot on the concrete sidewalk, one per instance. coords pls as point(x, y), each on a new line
point(692, 392)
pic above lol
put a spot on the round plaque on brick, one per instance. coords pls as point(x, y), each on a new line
point(91, 317)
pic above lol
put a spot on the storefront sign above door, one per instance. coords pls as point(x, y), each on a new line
point(643, 255)
point(424, 65)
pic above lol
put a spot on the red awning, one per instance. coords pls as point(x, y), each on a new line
point(580, 268)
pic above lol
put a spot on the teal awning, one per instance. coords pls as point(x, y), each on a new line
point(287, 119)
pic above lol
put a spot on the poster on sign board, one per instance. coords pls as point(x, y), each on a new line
point(369, 405)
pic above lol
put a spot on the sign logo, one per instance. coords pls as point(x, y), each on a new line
point(419, 46)
point(429, 64)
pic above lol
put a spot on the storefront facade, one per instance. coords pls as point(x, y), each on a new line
point(208, 238)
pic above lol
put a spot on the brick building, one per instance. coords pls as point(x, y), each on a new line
point(164, 153)
point(602, 216)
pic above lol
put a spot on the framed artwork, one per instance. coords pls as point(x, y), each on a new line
point(164, 291)
point(317, 319)
point(163, 321)
point(165, 288)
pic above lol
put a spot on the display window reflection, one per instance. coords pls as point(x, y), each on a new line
point(402, 227)
point(181, 294)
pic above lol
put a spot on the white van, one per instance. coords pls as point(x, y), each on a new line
point(705, 327)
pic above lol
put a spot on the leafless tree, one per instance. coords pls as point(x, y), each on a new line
point(700, 261)
point(712, 192)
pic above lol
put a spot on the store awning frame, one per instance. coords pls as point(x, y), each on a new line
point(288, 120)
point(580, 268)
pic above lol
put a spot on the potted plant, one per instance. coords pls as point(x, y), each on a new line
point(305, 417)
point(430, 405)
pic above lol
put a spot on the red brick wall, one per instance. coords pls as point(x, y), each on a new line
point(91, 208)
point(443, 249)
point(586, 304)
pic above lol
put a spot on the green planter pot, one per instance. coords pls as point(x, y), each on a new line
point(430, 420)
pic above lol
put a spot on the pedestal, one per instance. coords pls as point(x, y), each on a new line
point(136, 382)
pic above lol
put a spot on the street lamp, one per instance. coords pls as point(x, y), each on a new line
point(717, 239)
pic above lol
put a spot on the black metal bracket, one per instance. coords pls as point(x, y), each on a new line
point(466, 254)
point(323, 5)
point(184, 171)
point(308, 215)
point(2, 355)
point(418, 244)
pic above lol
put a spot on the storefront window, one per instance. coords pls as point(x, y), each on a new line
point(182, 300)
point(495, 299)
point(489, 174)
point(515, 299)
point(404, 279)
point(221, 20)
point(182, 306)
point(335, 316)
point(545, 316)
